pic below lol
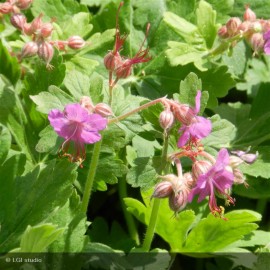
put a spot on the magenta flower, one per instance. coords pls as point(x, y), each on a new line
point(76, 125)
point(266, 37)
point(198, 126)
point(216, 180)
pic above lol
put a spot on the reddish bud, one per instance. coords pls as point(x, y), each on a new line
point(18, 20)
point(189, 181)
point(249, 15)
point(232, 26)
point(239, 177)
point(59, 44)
point(35, 25)
point(6, 8)
point(166, 119)
point(178, 201)
point(46, 30)
point(45, 52)
point(112, 61)
point(162, 190)
point(257, 42)
point(86, 102)
point(235, 161)
point(124, 70)
point(76, 42)
point(23, 4)
point(222, 32)
point(29, 49)
point(183, 113)
point(103, 109)
point(200, 167)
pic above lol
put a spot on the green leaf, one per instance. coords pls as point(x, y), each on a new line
point(54, 99)
point(213, 234)
point(223, 8)
point(144, 173)
point(181, 26)
point(38, 238)
point(222, 134)
point(172, 230)
point(261, 167)
point(184, 53)
point(42, 78)
point(70, 216)
point(258, 188)
point(206, 22)
point(49, 141)
point(40, 185)
point(9, 67)
point(96, 87)
point(62, 10)
point(5, 143)
point(182, 8)
point(77, 84)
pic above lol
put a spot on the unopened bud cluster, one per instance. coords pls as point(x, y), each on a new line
point(40, 33)
point(102, 109)
point(209, 176)
point(119, 65)
point(14, 6)
point(255, 31)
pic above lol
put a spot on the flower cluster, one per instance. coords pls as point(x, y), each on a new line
point(78, 125)
point(255, 31)
point(119, 65)
point(210, 176)
point(193, 127)
point(14, 6)
point(40, 33)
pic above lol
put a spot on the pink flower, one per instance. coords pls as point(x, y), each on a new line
point(76, 125)
point(266, 37)
point(197, 127)
point(216, 180)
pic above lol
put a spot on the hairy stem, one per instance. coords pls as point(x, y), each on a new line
point(146, 105)
point(156, 204)
point(91, 176)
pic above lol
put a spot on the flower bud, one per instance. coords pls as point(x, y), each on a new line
point(178, 201)
point(222, 32)
point(239, 178)
point(87, 103)
point(175, 180)
point(249, 15)
point(257, 42)
point(235, 161)
point(112, 61)
point(162, 190)
point(18, 20)
point(123, 70)
point(29, 49)
point(76, 42)
point(23, 4)
point(35, 25)
point(183, 113)
point(189, 181)
point(46, 30)
point(166, 119)
point(256, 27)
point(59, 44)
point(6, 8)
point(103, 109)
point(45, 52)
point(232, 26)
point(200, 167)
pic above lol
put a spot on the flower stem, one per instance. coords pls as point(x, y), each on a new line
point(144, 106)
point(91, 176)
point(128, 217)
point(156, 204)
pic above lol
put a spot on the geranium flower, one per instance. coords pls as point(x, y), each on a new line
point(197, 127)
point(76, 125)
point(216, 180)
point(266, 37)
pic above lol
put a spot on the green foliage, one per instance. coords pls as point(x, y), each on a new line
point(38, 238)
point(5, 143)
point(209, 235)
